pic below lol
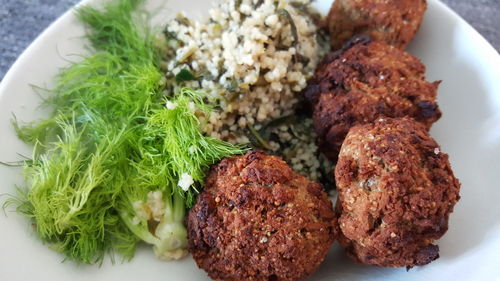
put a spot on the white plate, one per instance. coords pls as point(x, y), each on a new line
point(469, 131)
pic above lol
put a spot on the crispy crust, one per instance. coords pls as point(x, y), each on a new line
point(396, 191)
point(258, 220)
point(394, 22)
point(364, 81)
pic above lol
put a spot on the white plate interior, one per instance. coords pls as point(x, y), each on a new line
point(469, 132)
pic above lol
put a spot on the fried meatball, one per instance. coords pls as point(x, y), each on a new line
point(396, 192)
point(364, 81)
point(394, 22)
point(258, 220)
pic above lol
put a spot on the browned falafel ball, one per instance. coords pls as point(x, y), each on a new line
point(396, 192)
point(258, 220)
point(364, 81)
point(394, 22)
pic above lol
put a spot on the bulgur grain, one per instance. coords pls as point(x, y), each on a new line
point(247, 57)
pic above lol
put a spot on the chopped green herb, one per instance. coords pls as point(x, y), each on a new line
point(181, 19)
point(184, 75)
point(284, 14)
point(233, 86)
point(257, 140)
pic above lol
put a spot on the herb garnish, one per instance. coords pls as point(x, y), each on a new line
point(111, 143)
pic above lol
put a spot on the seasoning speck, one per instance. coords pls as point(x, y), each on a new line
point(171, 105)
point(185, 181)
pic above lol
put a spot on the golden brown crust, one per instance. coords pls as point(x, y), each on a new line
point(363, 82)
point(258, 220)
point(394, 22)
point(396, 191)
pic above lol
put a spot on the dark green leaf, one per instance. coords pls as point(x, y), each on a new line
point(184, 75)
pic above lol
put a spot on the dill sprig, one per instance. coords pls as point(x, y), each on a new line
point(110, 141)
point(172, 144)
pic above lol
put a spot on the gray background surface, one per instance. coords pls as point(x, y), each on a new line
point(22, 20)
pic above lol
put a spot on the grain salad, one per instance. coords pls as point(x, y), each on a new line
point(254, 58)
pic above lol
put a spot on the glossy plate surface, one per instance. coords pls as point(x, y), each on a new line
point(469, 132)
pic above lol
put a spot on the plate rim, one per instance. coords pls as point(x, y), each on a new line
point(17, 67)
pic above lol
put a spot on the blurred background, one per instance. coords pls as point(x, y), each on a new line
point(22, 20)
